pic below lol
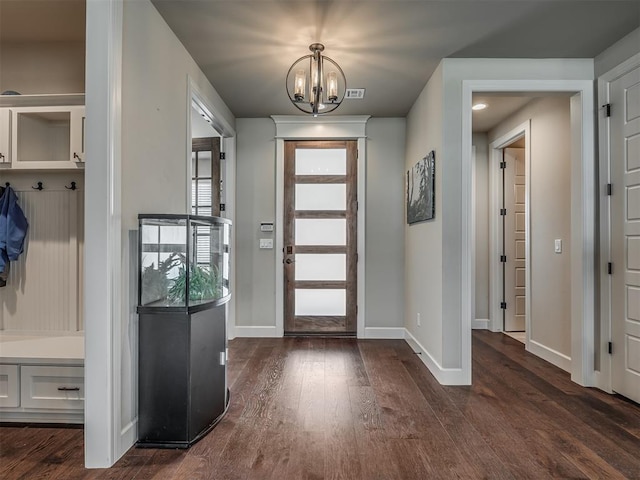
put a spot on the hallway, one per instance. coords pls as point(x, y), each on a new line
point(339, 408)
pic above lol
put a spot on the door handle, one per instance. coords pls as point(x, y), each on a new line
point(288, 261)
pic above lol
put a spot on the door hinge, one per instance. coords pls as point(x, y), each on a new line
point(610, 348)
point(607, 109)
point(503, 305)
point(223, 207)
point(357, 258)
point(503, 165)
point(609, 189)
point(609, 268)
point(503, 211)
point(223, 155)
point(503, 259)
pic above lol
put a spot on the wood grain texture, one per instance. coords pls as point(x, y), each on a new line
point(329, 408)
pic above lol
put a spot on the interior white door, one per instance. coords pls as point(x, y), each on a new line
point(625, 234)
point(514, 238)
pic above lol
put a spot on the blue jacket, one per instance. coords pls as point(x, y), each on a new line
point(13, 228)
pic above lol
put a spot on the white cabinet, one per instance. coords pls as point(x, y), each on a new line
point(9, 386)
point(52, 387)
point(47, 137)
point(41, 393)
point(5, 137)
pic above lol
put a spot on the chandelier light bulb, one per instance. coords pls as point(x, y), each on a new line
point(300, 82)
point(332, 86)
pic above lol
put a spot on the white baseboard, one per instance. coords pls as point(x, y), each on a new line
point(480, 324)
point(558, 359)
point(444, 376)
point(384, 332)
point(255, 332)
point(128, 437)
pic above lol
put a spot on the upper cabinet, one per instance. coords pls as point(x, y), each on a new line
point(42, 137)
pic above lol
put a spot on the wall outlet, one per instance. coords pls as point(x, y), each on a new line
point(418, 320)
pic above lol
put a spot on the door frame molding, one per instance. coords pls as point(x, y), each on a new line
point(603, 375)
point(293, 127)
point(583, 215)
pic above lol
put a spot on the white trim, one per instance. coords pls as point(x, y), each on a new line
point(325, 128)
point(603, 377)
point(480, 324)
point(242, 331)
point(385, 332)
point(444, 376)
point(228, 146)
point(103, 232)
point(495, 272)
point(552, 356)
point(582, 214)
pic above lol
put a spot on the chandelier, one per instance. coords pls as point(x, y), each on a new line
point(324, 93)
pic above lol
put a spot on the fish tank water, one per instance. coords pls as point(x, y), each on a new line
point(183, 261)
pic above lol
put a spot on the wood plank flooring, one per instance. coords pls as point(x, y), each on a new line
point(314, 408)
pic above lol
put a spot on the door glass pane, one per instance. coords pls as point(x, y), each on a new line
point(204, 164)
point(321, 302)
point(321, 231)
point(321, 266)
point(321, 161)
point(321, 196)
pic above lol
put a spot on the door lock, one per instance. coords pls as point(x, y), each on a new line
point(288, 261)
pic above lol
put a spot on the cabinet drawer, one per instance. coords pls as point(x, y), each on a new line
point(52, 387)
point(9, 387)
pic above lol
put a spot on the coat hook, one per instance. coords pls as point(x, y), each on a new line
point(39, 187)
point(7, 184)
point(72, 187)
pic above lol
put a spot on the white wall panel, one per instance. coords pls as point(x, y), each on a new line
point(43, 289)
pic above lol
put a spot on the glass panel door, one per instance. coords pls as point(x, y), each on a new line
point(320, 237)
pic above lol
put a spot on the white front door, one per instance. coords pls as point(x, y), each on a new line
point(625, 234)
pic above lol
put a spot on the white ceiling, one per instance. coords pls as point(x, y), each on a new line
point(388, 47)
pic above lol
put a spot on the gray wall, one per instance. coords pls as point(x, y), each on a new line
point(42, 67)
point(384, 241)
point(481, 207)
point(617, 53)
point(550, 218)
point(385, 222)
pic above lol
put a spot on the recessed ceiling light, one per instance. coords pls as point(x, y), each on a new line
point(479, 106)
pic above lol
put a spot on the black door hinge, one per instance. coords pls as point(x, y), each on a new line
point(222, 207)
point(610, 348)
point(609, 268)
point(503, 305)
point(503, 211)
point(607, 110)
point(609, 189)
point(223, 155)
point(503, 165)
point(503, 258)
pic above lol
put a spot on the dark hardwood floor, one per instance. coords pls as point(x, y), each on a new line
point(345, 409)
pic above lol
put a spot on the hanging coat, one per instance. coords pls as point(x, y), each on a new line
point(13, 229)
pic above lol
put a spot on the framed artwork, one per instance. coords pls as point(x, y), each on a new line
point(421, 190)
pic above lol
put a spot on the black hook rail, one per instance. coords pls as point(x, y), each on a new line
point(39, 187)
point(72, 187)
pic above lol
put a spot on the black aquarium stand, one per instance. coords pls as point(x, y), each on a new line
point(182, 375)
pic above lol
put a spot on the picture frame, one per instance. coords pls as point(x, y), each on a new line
point(421, 190)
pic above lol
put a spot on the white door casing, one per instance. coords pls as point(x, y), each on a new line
point(625, 233)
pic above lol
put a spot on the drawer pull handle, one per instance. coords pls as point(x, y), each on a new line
point(69, 389)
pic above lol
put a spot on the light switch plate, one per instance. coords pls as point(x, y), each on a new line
point(266, 227)
point(266, 243)
point(558, 245)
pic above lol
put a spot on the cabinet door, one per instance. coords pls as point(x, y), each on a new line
point(47, 137)
point(5, 135)
point(78, 119)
